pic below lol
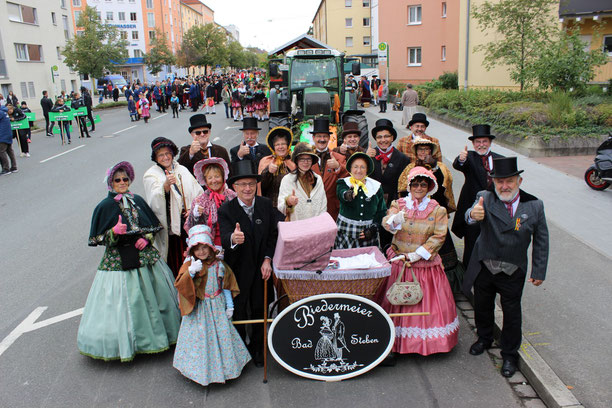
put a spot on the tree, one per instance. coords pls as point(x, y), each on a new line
point(160, 54)
point(566, 64)
point(522, 28)
point(204, 45)
point(97, 48)
point(237, 57)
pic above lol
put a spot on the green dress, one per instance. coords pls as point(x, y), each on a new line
point(128, 311)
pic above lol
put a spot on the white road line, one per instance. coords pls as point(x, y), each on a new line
point(160, 116)
point(56, 319)
point(216, 138)
point(61, 154)
point(123, 130)
point(22, 328)
point(232, 127)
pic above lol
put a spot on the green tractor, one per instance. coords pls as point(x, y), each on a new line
point(310, 83)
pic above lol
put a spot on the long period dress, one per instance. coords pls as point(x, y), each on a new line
point(209, 348)
point(423, 231)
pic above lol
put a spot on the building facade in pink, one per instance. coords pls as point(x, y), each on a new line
point(423, 38)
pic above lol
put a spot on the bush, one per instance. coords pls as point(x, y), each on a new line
point(529, 114)
point(603, 114)
point(107, 105)
point(394, 87)
point(449, 80)
point(559, 106)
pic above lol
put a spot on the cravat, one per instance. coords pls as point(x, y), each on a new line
point(252, 150)
point(323, 156)
point(509, 205)
point(385, 157)
point(485, 164)
point(249, 212)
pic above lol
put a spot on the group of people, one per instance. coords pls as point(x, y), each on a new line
point(374, 91)
point(209, 222)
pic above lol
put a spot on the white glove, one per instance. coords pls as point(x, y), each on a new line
point(413, 257)
point(229, 313)
point(395, 221)
point(195, 267)
point(195, 211)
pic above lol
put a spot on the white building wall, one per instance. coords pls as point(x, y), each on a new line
point(374, 25)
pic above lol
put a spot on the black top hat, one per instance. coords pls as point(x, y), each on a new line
point(160, 142)
point(384, 124)
point(481, 131)
point(242, 169)
point(321, 125)
point(198, 121)
point(360, 155)
point(249, 123)
point(419, 118)
point(505, 167)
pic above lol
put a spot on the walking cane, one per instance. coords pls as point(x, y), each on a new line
point(265, 323)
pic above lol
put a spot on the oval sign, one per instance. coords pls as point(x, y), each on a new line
point(331, 337)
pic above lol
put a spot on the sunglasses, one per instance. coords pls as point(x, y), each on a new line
point(422, 184)
point(200, 132)
point(124, 179)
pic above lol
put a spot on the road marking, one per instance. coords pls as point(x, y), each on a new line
point(232, 127)
point(123, 130)
point(160, 116)
point(61, 154)
point(30, 324)
point(216, 138)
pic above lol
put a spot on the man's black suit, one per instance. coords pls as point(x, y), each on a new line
point(475, 181)
point(260, 151)
point(246, 259)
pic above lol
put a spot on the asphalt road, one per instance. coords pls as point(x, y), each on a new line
point(45, 262)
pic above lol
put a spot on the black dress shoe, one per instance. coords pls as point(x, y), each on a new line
point(479, 347)
point(508, 368)
point(258, 359)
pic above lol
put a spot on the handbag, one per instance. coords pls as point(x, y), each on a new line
point(405, 293)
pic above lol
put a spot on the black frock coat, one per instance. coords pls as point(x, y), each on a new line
point(260, 151)
point(390, 177)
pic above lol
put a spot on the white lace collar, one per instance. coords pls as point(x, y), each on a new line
point(410, 203)
point(371, 185)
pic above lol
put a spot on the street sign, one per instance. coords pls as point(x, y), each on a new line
point(82, 111)
point(55, 71)
point(20, 124)
point(331, 337)
point(60, 116)
point(383, 51)
point(31, 116)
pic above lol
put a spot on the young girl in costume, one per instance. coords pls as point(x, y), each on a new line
point(208, 349)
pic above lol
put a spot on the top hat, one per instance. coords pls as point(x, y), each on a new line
point(350, 128)
point(279, 131)
point(481, 131)
point(302, 149)
point(321, 125)
point(419, 118)
point(160, 142)
point(242, 169)
point(360, 155)
point(384, 124)
point(249, 123)
point(505, 167)
point(198, 121)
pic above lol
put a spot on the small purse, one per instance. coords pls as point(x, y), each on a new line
point(405, 293)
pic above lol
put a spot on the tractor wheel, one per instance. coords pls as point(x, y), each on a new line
point(358, 117)
point(276, 121)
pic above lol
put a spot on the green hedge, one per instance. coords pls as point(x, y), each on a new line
point(107, 105)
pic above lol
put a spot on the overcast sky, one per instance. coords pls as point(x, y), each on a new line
point(266, 24)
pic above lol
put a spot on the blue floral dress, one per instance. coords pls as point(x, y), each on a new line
point(209, 349)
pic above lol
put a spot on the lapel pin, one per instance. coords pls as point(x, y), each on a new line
point(258, 221)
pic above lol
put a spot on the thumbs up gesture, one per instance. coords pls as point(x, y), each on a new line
point(332, 163)
point(243, 150)
point(463, 154)
point(371, 151)
point(170, 178)
point(237, 235)
point(478, 212)
point(120, 228)
point(343, 148)
point(292, 200)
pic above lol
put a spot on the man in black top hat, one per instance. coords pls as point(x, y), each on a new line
point(476, 166)
point(201, 147)
point(510, 221)
point(248, 236)
point(388, 165)
point(249, 149)
point(418, 125)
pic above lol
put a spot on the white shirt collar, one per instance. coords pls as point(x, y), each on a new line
point(422, 205)
point(244, 205)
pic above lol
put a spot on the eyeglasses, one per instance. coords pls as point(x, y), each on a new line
point(422, 184)
point(119, 180)
point(304, 159)
point(166, 154)
point(280, 144)
point(200, 132)
point(246, 184)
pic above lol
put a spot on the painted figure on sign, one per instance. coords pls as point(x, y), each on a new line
point(339, 341)
point(325, 349)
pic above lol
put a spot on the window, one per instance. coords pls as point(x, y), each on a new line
point(349, 41)
point(66, 27)
point(22, 14)
point(59, 53)
point(444, 9)
point(132, 1)
point(607, 44)
point(123, 35)
point(414, 14)
point(28, 52)
point(76, 3)
point(99, 15)
point(24, 90)
point(53, 18)
point(348, 22)
point(63, 4)
point(137, 54)
point(121, 15)
point(414, 56)
point(150, 4)
point(134, 35)
point(132, 16)
point(443, 53)
point(151, 19)
point(109, 16)
point(366, 21)
point(77, 15)
point(31, 89)
point(366, 40)
point(63, 85)
point(366, 3)
point(151, 34)
point(348, 3)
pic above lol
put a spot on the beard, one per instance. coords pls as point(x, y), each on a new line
point(506, 196)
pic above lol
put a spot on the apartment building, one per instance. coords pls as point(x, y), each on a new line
point(31, 39)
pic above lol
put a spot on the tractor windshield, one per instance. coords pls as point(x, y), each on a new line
point(307, 72)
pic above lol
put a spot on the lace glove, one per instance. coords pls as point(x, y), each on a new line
point(194, 268)
point(413, 257)
point(396, 221)
point(370, 232)
point(348, 195)
point(195, 212)
point(229, 313)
